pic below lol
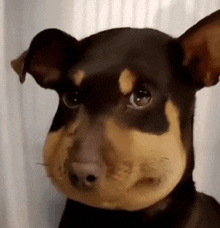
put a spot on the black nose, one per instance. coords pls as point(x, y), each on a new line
point(84, 174)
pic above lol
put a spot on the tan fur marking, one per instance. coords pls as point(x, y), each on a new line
point(52, 140)
point(126, 81)
point(142, 168)
point(159, 161)
point(78, 77)
point(55, 153)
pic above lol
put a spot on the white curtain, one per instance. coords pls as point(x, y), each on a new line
point(27, 198)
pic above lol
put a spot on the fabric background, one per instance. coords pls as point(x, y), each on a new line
point(27, 198)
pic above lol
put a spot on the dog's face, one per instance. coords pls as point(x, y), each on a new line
point(122, 134)
point(117, 122)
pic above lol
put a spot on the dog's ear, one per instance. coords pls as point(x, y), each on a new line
point(50, 55)
point(201, 46)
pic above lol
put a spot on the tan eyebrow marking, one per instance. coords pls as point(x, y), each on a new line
point(78, 77)
point(126, 81)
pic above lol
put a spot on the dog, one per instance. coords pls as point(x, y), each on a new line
point(120, 146)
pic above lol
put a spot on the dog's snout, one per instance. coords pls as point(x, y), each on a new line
point(85, 174)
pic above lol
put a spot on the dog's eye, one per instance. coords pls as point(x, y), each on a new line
point(140, 99)
point(71, 99)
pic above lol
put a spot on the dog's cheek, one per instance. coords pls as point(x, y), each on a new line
point(161, 152)
point(164, 157)
point(53, 159)
point(56, 149)
point(55, 155)
point(158, 161)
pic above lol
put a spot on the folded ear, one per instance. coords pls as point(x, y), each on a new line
point(51, 54)
point(201, 46)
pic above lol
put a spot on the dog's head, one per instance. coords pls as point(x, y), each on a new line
point(122, 134)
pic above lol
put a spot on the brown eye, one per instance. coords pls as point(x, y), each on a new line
point(72, 99)
point(140, 99)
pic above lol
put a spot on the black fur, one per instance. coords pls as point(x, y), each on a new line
point(156, 59)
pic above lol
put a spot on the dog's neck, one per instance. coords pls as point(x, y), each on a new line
point(180, 194)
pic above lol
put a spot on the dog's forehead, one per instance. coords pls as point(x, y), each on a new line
point(123, 40)
point(112, 51)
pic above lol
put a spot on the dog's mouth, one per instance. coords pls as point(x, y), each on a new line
point(129, 185)
point(126, 186)
point(117, 183)
point(114, 194)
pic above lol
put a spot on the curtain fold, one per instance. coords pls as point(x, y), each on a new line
point(27, 198)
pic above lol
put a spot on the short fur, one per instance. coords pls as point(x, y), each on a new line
point(121, 143)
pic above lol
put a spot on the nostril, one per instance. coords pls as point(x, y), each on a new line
point(84, 174)
point(91, 178)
